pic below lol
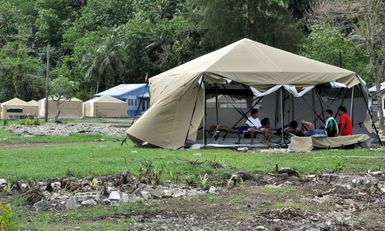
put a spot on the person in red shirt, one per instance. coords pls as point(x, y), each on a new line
point(345, 125)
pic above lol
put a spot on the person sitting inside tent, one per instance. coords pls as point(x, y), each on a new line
point(345, 124)
point(255, 126)
point(292, 129)
point(330, 125)
point(329, 128)
point(266, 129)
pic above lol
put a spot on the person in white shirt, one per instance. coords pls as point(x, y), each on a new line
point(255, 126)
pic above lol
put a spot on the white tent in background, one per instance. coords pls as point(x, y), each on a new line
point(105, 107)
point(16, 108)
point(70, 109)
point(34, 102)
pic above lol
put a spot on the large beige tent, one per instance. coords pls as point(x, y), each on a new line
point(178, 95)
point(105, 106)
point(70, 109)
point(16, 108)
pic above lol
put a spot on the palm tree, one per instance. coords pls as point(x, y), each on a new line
point(108, 59)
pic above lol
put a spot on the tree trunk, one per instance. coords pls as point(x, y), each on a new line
point(377, 71)
point(97, 86)
point(58, 111)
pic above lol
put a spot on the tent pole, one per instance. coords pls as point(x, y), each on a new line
point(313, 106)
point(371, 114)
point(282, 123)
point(321, 104)
point(216, 103)
point(351, 104)
point(204, 110)
point(245, 115)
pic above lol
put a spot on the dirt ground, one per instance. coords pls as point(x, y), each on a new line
point(286, 204)
point(329, 201)
point(271, 202)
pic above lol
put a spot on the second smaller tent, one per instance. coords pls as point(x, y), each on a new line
point(69, 109)
point(105, 107)
point(16, 108)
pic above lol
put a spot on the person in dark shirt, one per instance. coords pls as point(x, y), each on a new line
point(292, 129)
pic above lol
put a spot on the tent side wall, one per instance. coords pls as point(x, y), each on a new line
point(171, 118)
point(110, 109)
point(69, 110)
point(26, 110)
point(88, 109)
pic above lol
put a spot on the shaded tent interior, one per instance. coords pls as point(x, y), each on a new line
point(229, 105)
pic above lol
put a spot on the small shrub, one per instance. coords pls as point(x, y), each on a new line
point(27, 122)
point(8, 188)
point(150, 174)
point(36, 122)
point(6, 217)
point(203, 180)
point(93, 183)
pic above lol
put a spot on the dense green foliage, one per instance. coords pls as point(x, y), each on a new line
point(327, 44)
point(102, 43)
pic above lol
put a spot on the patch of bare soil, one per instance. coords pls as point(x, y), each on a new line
point(241, 201)
point(33, 145)
point(276, 203)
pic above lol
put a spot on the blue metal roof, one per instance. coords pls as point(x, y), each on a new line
point(121, 89)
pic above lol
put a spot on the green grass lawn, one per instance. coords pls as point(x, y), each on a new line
point(82, 156)
point(43, 157)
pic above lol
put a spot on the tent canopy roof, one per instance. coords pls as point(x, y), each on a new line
point(254, 64)
point(34, 103)
point(16, 102)
point(72, 99)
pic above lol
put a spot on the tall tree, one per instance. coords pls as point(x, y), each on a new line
point(61, 90)
point(326, 44)
point(20, 68)
point(363, 22)
point(268, 22)
point(106, 61)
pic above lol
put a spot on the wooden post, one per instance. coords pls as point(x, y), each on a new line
point(46, 85)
